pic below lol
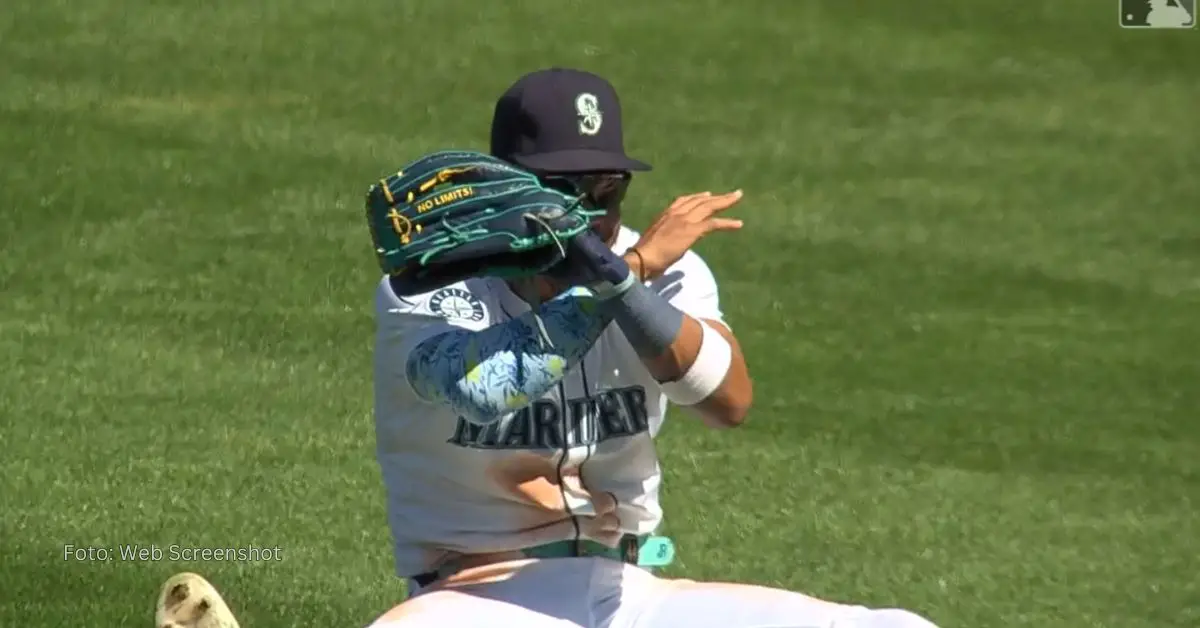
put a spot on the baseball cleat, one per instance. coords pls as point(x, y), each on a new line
point(187, 600)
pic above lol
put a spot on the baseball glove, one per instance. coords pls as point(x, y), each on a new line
point(456, 214)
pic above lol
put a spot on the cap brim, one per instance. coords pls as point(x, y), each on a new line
point(580, 160)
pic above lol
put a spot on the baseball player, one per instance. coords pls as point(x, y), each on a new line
point(515, 418)
point(530, 498)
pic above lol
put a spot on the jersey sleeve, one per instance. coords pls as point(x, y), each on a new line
point(402, 323)
point(689, 285)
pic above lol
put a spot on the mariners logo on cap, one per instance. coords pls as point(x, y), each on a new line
point(587, 107)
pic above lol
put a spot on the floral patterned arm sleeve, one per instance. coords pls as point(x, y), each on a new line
point(484, 375)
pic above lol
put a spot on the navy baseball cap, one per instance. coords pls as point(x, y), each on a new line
point(561, 121)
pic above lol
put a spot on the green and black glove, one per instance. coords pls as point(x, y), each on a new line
point(451, 215)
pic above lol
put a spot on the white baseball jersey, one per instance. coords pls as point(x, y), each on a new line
point(578, 463)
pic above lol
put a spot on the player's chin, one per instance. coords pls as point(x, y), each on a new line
point(606, 226)
point(542, 287)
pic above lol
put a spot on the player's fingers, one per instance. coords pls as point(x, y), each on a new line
point(693, 206)
point(686, 200)
point(724, 224)
point(709, 206)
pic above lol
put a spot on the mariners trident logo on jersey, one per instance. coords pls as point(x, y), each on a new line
point(608, 414)
point(456, 303)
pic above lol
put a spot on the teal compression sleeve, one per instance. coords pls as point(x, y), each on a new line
point(484, 375)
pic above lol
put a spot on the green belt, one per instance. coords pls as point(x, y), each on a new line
point(645, 550)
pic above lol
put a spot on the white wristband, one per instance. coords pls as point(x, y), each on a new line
point(707, 372)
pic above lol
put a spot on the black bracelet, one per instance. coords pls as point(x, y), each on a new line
point(641, 263)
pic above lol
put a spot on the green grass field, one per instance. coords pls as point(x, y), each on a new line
point(968, 288)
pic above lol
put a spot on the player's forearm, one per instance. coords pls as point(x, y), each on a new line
point(699, 363)
point(729, 403)
point(486, 374)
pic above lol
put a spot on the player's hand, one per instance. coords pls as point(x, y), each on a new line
point(588, 261)
point(678, 228)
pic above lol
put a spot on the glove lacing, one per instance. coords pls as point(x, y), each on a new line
point(562, 248)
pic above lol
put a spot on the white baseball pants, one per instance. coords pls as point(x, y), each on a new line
point(603, 593)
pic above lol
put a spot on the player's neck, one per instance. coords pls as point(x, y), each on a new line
point(612, 236)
